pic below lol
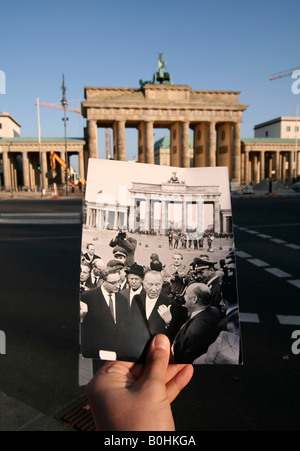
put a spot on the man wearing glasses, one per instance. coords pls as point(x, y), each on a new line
point(104, 326)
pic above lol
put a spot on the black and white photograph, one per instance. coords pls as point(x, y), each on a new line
point(158, 256)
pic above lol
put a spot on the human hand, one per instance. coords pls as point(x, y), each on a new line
point(125, 396)
point(165, 313)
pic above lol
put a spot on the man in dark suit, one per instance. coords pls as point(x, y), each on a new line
point(90, 255)
point(104, 325)
point(206, 273)
point(135, 276)
point(200, 330)
point(85, 278)
point(148, 316)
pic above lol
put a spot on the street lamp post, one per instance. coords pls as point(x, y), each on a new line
point(65, 119)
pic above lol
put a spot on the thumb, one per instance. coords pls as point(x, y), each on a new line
point(157, 359)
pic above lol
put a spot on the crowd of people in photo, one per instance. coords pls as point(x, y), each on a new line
point(123, 304)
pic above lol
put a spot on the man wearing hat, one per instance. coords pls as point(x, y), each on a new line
point(135, 276)
point(119, 266)
point(120, 254)
point(205, 272)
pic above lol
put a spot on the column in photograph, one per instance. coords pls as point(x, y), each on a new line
point(216, 206)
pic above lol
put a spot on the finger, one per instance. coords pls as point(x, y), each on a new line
point(111, 375)
point(179, 381)
point(157, 359)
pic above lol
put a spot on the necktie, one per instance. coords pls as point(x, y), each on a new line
point(111, 305)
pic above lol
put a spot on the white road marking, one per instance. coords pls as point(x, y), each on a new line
point(274, 240)
point(249, 317)
point(258, 262)
point(278, 272)
point(292, 246)
point(242, 254)
point(278, 240)
point(295, 282)
point(292, 320)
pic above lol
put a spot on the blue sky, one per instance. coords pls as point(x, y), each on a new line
point(208, 45)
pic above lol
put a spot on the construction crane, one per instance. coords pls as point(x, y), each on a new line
point(284, 73)
point(77, 110)
point(58, 106)
point(53, 159)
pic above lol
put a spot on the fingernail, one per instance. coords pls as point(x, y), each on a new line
point(161, 342)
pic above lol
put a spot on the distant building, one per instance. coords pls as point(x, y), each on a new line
point(284, 127)
point(162, 151)
point(9, 127)
point(273, 152)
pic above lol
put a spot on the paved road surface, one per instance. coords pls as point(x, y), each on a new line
point(38, 312)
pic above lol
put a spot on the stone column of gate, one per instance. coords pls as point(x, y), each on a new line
point(211, 151)
point(25, 164)
point(246, 166)
point(6, 171)
point(44, 169)
point(149, 151)
point(141, 142)
point(81, 164)
point(236, 155)
point(277, 166)
point(262, 165)
point(291, 161)
point(121, 141)
point(185, 145)
point(92, 138)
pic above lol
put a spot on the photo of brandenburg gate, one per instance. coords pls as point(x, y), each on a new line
point(152, 208)
point(213, 116)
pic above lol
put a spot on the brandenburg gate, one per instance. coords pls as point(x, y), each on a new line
point(213, 116)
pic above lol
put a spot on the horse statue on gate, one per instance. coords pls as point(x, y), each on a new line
point(160, 77)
